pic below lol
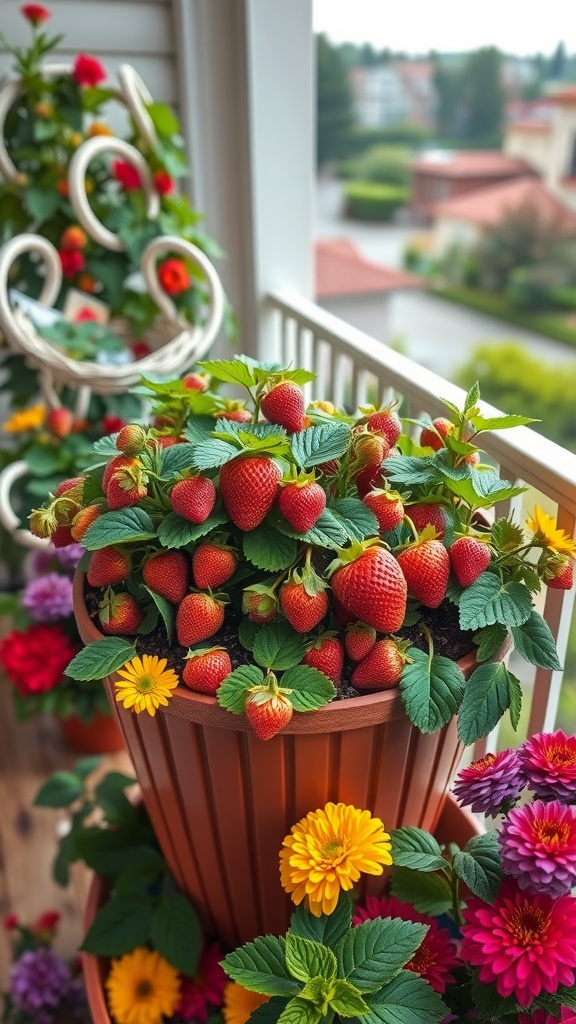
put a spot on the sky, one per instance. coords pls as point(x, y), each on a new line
point(416, 26)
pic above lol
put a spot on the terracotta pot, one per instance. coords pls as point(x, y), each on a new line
point(221, 801)
point(99, 736)
point(455, 826)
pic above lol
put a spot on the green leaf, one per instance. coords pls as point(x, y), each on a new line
point(481, 423)
point(120, 926)
point(432, 689)
point(412, 470)
point(164, 119)
point(414, 848)
point(166, 611)
point(267, 1013)
point(406, 1000)
point(490, 640)
point(375, 951)
point(306, 959)
point(212, 454)
point(506, 534)
point(356, 519)
point(106, 445)
point(346, 1000)
point(479, 867)
point(112, 799)
point(489, 1004)
point(247, 633)
point(534, 641)
point(488, 600)
point(41, 202)
point(176, 532)
point(328, 929)
point(60, 790)
point(231, 694)
point(471, 399)
point(278, 646)
point(101, 658)
point(486, 698)
point(428, 893)
point(261, 967)
point(230, 371)
point(299, 1011)
point(176, 933)
point(269, 549)
point(310, 689)
point(127, 525)
point(314, 445)
point(86, 765)
point(328, 531)
point(175, 459)
point(515, 700)
point(198, 429)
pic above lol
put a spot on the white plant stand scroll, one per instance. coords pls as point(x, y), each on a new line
point(8, 517)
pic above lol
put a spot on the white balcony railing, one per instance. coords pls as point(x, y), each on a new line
point(354, 369)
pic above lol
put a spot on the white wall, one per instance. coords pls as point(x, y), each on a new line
point(533, 146)
point(369, 313)
point(448, 232)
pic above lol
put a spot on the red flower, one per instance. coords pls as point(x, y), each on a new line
point(111, 424)
point(35, 660)
point(73, 237)
point(10, 922)
point(140, 349)
point(205, 991)
point(163, 183)
point(173, 276)
point(87, 70)
point(35, 13)
point(47, 923)
point(85, 314)
point(72, 261)
point(127, 175)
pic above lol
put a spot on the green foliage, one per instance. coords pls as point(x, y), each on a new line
point(432, 689)
point(334, 103)
point(127, 525)
point(101, 658)
point(489, 693)
point(383, 164)
point(478, 866)
point(429, 893)
point(553, 325)
point(372, 201)
point(416, 849)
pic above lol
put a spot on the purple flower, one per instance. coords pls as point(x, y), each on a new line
point(549, 760)
point(538, 847)
point(39, 983)
point(488, 784)
point(69, 556)
point(49, 597)
point(42, 561)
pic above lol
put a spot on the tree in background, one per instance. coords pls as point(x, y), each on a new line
point(483, 94)
point(557, 64)
point(335, 116)
point(520, 239)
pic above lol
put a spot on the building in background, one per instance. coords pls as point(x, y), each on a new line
point(439, 176)
point(398, 92)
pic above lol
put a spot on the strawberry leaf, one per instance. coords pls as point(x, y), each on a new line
point(481, 423)
point(211, 454)
point(166, 611)
point(355, 518)
point(231, 694)
point(278, 646)
point(489, 640)
point(198, 429)
point(487, 696)
point(231, 371)
point(176, 532)
point(310, 688)
point(314, 445)
point(534, 641)
point(488, 600)
point(506, 534)
point(125, 526)
point(411, 470)
point(328, 531)
point(268, 549)
point(101, 658)
point(173, 460)
point(515, 701)
point(106, 445)
point(432, 690)
point(247, 632)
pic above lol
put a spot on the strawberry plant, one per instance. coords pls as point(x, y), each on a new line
point(317, 553)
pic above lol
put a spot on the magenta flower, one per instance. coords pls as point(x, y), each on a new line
point(538, 847)
point(490, 783)
point(39, 984)
point(524, 942)
point(69, 556)
point(540, 1016)
point(49, 597)
point(201, 995)
point(549, 760)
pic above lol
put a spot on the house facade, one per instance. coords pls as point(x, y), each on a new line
point(439, 176)
point(398, 92)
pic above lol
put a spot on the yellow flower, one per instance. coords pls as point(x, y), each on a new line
point(25, 419)
point(239, 1003)
point(142, 988)
point(328, 850)
point(546, 533)
point(146, 684)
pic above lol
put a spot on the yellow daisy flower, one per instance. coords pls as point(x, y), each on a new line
point(25, 419)
point(146, 684)
point(546, 533)
point(142, 988)
point(328, 850)
point(239, 1003)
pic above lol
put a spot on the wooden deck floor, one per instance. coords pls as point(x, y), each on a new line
point(28, 754)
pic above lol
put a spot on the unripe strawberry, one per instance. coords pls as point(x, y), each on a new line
point(195, 382)
point(237, 415)
point(83, 521)
point(268, 713)
point(193, 498)
point(563, 578)
point(373, 589)
point(303, 610)
point(427, 515)
point(284, 405)
point(199, 617)
point(118, 462)
point(248, 488)
point(302, 504)
point(469, 558)
point(387, 507)
point(330, 468)
point(73, 237)
point(213, 565)
point(259, 603)
point(327, 655)
point(125, 487)
point(67, 485)
point(108, 566)
point(120, 614)
point(381, 669)
point(473, 459)
point(166, 573)
point(426, 567)
point(60, 422)
point(430, 438)
point(359, 640)
point(131, 439)
point(371, 449)
point(206, 670)
point(386, 422)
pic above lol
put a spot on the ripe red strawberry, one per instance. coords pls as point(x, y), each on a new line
point(213, 565)
point(126, 486)
point(469, 557)
point(120, 614)
point(67, 485)
point(166, 441)
point(166, 573)
point(83, 520)
point(131, 439)
point(429, 438)
point(268, 713)
point(302, 504)
point(373, 589)
point(327, 655)
point(205, 670)
point(387, 507)
point(195, 382)
point(381, 669)
point(386, 422)
point(248, 487)
point(108, 566)
point(303, 610)
point(62, 536)
point(427, 515)
point(426, 566)
point(359, 640)
point(563, 578)
point(284, 405)
point(342, 615)
point(60, 422)
point(193, 498)
point(237, 415)
point(118, 462)
point(199, 617)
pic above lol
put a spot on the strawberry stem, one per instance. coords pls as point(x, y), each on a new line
point(427, 634)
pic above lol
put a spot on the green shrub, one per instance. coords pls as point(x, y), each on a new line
point(384, 164)
point(529, 288)
point(371, 201)
point(553, 324)
point(564, 297)
point(401, 134)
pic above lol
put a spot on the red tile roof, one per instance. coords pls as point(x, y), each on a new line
point(340, 269)
point(487, 206)
point(564, 97)
point(529, 125)
point(471, 164)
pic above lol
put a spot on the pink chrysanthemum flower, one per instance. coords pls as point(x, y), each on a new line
point(487, 784)
point(540, 1016)
point(435, 957)
point(549, 760)
point(538, 847)
point(203, 993)
point(525, 943)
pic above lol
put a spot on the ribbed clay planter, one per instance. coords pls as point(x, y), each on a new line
point(455, 826)
point(221, 801)
point(99, 736)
